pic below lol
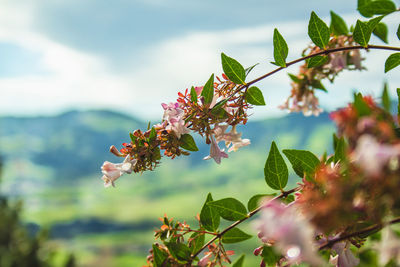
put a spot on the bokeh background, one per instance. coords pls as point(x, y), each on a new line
point(77, 76)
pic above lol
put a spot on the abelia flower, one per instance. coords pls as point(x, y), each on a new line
point(373, 156)
point(112, 171)
point(173, 115)
point(344, 257)
point(337, 63)
point(291, 232)
point(308, 104)
point(232, 139)
point(215, 152)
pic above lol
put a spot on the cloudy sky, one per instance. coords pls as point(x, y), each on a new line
point(131, 55)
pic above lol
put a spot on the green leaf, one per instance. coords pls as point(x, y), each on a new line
point(229, 208)
point(179, 251)
point(398, 32)
point(187, 142)
point(318, 85)
point(316, 61)
point(159, 256)
point(280, 49)
point(193, 95)
point(386, 103)
point(338, 25)
point(208, 90)
point(372, 23)
point(392, 62)
point(378, 7)
point(254, 201)
point(197, 241)
point(235, 235)
point(269, 256)
point(303, 162)
point(233, 69)
point(361, 106)
point(340, 151)
point(381, 31)
point(254, 96)
point(362, 33)
point(294, 78)
point(152, 134)
point(209, 216)
point(216, 109)
point(239, 262)
point(249, 69)
point(275, 171)
point(318, 31)
point(398, 101)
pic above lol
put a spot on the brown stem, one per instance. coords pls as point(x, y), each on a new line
point(249, 215)
point(366, 230)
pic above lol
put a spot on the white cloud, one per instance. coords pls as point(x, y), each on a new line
point(76, 79)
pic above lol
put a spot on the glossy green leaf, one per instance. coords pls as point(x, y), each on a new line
point(372, 23)
point(280, 49)
point(318, 31)
point(362, 33)
point(361, 106)
point(398, 32)
point(233, 69)
point(294, 78)
point(381, 31)
point(338, 25)
point(316, 61)
point(159, 256)
point(386, 103)
point(208, 90)
point(239, 262)
point(269, 256)
point(235, 235)
point(303, 162)
point(249, 69)
point(392, 62)
point(369, 8)
point(340, 150)
point(254, 201)
point(209, 216)
point(187, 142)
point(179, 251)
point(197, 241)
point(229, 208)
point(193, 95)
point(254, 96)
point(275, 171)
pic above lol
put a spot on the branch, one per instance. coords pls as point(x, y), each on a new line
point(366, 230)
point(249, 215)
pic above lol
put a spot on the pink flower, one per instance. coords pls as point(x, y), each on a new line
point(389, 247)
point(344, 257)
point(173, 115)
point(294, 236)
point(215, 152)
point(338, 62)
point(373, 156)
point(111, 171)
point(232, 139)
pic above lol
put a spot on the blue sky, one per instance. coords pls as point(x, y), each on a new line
point(131, 55)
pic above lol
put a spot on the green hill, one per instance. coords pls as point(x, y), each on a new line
point(53, 164)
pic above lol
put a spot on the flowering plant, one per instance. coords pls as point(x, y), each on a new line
point(341, 201)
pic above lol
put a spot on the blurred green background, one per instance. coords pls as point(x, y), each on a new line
point(53, 164)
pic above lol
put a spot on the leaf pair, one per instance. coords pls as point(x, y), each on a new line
point(276, 171)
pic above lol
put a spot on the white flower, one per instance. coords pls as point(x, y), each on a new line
point(215, 152)
point(173, 115)
point(111, 171)
point(292, 232)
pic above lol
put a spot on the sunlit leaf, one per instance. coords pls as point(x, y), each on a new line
point(280, 49)
point(254, 96)
point(209, 216)
point(318, 31)
point(229, 208)
point(233, 69)
point(235, 235)
point(392, 62)
point(275, 171)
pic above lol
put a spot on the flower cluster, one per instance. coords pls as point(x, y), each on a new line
point(190, 113)
point(304, 84)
